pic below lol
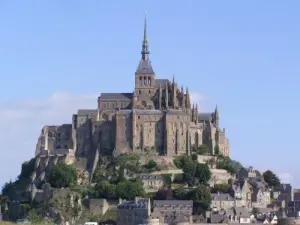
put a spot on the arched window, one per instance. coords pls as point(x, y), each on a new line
point(145, 80)
point(149, 80)
point(141, 81)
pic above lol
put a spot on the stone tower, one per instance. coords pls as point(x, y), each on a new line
point(145, 77)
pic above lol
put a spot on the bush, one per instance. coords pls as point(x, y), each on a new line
point(62, 175)
point(178, 179)
point(105, 190)
point(129, 189)
point(202, 150)
point(27, 169)
point(167, 179)
point(151, 165)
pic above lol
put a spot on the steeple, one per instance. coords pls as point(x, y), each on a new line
point(216, 112)
point(145, 64)
point(145, 51)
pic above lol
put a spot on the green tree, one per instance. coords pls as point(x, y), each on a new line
point(270, 178)
point(181, 193)
point(236, 165)
point(27, 169)
point(129, 189)
point(179, 161)
point(223, 188)
point(217, 150)
point(202, 150)
point(178, 179)
point(201, 196)
point(258, 174)
point(164, 194)
point(105, 190)
point(62, 175)
point(8, 189)
point(33, 216)
point(203, 173)
point(189, 171)
point(167, 180)
point(227, 164)
point(151, 165)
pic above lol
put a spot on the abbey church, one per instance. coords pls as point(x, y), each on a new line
point(158, 116)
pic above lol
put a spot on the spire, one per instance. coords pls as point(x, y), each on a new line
point(217, 112)
point(145, 50)
point(145, 66)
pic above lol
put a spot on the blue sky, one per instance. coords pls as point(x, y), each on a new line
point(57, 56)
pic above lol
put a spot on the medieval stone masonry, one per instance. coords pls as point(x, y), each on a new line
point(158, 116)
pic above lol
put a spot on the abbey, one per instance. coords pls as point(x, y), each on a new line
point(158, 116)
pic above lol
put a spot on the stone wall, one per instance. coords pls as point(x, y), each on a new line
point(98, 206)
point(219, 176)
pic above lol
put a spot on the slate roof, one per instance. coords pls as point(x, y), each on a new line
point(116, 96)
point(161, 82)
point(221, 197)
point(205, 116)
point(141, 112)
point(141, 204)
point(173, 202)
point(217, 218)
point(145, 67)
point(86, 111)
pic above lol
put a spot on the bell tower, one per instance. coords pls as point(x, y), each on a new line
point(145, 76)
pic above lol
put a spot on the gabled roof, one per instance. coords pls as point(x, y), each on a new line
point(116, 96)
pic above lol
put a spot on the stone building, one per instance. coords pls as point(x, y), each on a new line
point(133, 212)
point(221, 201)
point(151, 182)
point(283, 192)
point(173, 211)
point(241, 190)
point(260, 197)
point(157, 116)
point(246, 173)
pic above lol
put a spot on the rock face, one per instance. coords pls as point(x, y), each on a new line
point(157, 116)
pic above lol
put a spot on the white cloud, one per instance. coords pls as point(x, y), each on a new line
point(285, 178)
point(21, 122)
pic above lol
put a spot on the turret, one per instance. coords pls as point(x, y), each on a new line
point(160, 97)
point(167, 96)
point(174, 91)
point(183, 99)
point(193, 113)
point(187, 99)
